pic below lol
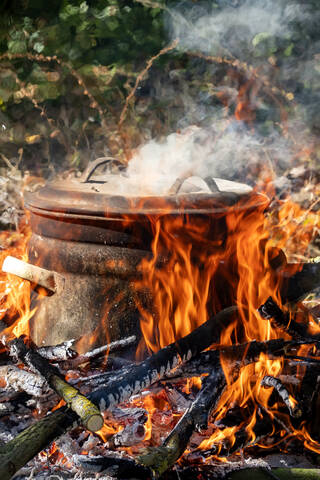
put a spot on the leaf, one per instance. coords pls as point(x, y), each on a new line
point(38, 47)
point(31, 139)
point(260, 37)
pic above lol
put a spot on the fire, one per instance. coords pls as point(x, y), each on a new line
point(15, 294)
point(205, 271)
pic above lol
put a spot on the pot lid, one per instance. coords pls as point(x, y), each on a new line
point(114, 194)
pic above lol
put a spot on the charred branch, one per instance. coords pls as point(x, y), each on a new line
point(85, 409)
point(289, 401)
point(118, 467)
point(138, 377)
point(301, 283)
point(20, 380)
point(271, 311)
point(102, 351)
point(58, 353)
point(160, 459)
point(132, 434)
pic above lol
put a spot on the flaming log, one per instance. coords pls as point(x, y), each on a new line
point(160, 459)
point(138, 377)
point(89, 414)
point(291, 404)
point(271, 311)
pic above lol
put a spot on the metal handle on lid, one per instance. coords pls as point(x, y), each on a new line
point(91, 168)
point(176, 186)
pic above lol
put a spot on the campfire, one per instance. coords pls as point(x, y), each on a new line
point(166, 333)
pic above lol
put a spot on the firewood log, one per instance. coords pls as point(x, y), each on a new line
point(16, 453)
point(160, 459)
point(20, 380)
point(299, 331)
point(89, 414)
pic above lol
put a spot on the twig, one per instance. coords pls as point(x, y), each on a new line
point(140, 77)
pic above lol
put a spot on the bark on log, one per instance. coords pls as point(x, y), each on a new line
point(88, 413)
point(16, 453)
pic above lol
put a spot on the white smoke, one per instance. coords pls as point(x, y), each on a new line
point(209, 144)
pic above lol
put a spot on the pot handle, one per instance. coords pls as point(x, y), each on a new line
point(39, 277)
point(91, 168)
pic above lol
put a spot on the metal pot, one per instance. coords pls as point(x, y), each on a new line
point(95, 241)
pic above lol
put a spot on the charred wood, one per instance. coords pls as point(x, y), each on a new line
point(89, 414)
point(138, 377)
point(132, 380)
point(58, 353)
point(271, 311)
point(118, 467)
point(132, 434)
point(290, 402)
point(21, 380)
point(243, 438)
point(160, 459)
point(102, 351)
point(301, 283)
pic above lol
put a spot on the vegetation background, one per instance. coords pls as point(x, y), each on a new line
point(67, 68)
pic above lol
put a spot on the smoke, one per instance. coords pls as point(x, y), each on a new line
point(269, 36)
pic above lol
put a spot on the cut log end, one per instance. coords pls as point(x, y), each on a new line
point(94, 423)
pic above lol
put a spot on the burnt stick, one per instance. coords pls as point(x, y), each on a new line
point(20, 380)
point(135, 378)
point(59, 352)
point(269, 381)
point(89, 414)
point(243, 439)
point(271, 311)
point(301, 283)
point(99, 351)
point(160, 459)
point(118, 467)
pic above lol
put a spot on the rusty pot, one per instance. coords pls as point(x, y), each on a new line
point(95, 241)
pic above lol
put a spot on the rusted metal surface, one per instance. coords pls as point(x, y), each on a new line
point(96, 242)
